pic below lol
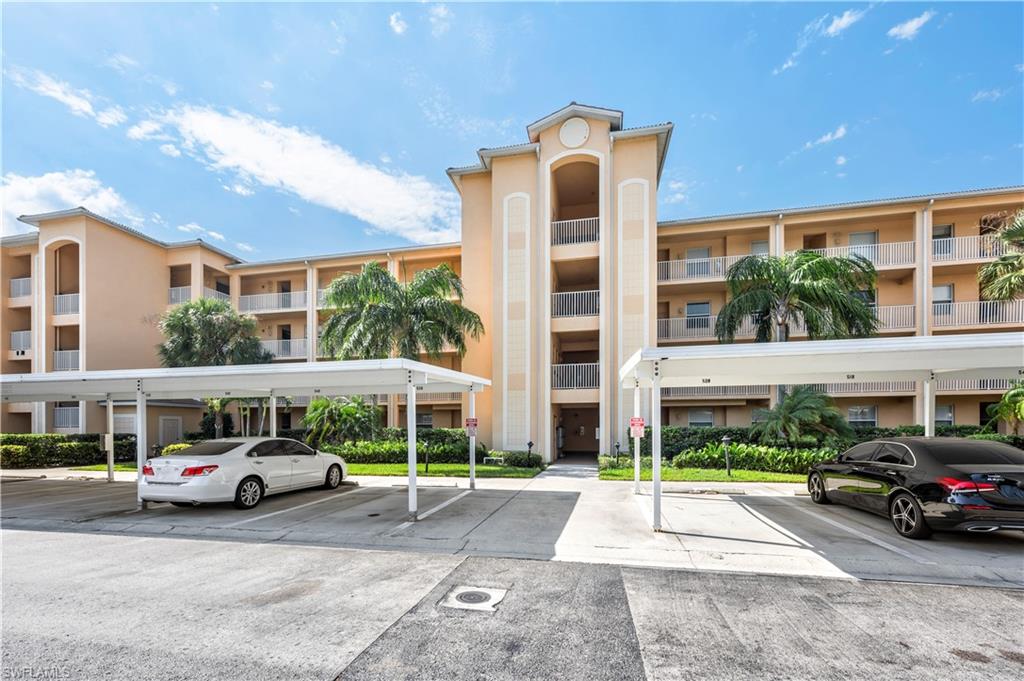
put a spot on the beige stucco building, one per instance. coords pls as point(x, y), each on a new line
point(563, 257)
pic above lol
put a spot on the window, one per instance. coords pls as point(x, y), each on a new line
point(861, 452)
point(294, 448)
point(285, 420)
point(425, 419)
point(942, 244)
point(864, 244)
point(701, 418)
point(208, 449)
point(862, 417)
point(698, 262)
point(759, 247)
point(265, 449)
point(942, 299)
point(944, 414)
point(942, 231)
point(893, 454)
point(698, 315)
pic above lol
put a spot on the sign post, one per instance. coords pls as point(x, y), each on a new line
point(636, 431)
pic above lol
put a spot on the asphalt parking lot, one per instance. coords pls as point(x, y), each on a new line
point(560, 515)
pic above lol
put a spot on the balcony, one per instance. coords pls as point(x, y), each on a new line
point(21, 287)
point(65, 304)
point(868, 388)
point(177, 295)
point(973, 385)
point(978, 313)
point(321, 298)
point(576, 304)
point(65, 360)
point(698, 269)
point(890, 318)
point(215, 294)
point(579, 231)
point(65, 418)
point(294, 348)
point(575, 376)
point(698, 328)
point(433, 397)
point(967, 249)
point(897, 254)
point(21, 341)
point(272, 302)
point(762, 391)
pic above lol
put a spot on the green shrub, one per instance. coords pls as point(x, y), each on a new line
point(42, 446)
point(16, 456)
point(79, 454)
point(393, 451)
point(1014, 440)
point(753, 457)
point(520, 459)
point(176, 447)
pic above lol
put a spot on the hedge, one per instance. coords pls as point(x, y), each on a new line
point(392, 451)
point(753, 458)
point(519, 459)
point(16, 456)
point(45, 448)
point(47, 453)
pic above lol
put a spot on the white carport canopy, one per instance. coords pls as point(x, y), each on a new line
point(359, 377)
point(920, 358)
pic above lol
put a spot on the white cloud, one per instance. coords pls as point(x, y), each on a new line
point(259, 151)
point(121, 62)
point(294, 211)
point(679, 192)
point(199, 231)
point(170, 150)
point(908, 29)
point(170, 88)
point(987, 95)
point(844, 21)
point(24, 195)
point(440, 19)
point(397, 25)
point(238, 188)
point(840, 160)
point(157, 219)
point(79, 102)
point(244, 247)
point(837, 134)
point(266, 85)
point(439, 110)
point(705, 116)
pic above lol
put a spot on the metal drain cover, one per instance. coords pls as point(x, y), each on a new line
point(473, 598)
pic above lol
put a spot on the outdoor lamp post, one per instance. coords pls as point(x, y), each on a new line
point(728, 466)
point(529, 447)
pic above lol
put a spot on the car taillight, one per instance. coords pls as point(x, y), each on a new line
point(196, 471)
point(147, 470)
point(955, 486)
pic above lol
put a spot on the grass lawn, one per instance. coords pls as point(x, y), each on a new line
point(124, 467)
point(453, 470)
point(703, 475)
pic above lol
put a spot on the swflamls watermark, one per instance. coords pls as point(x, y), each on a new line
point(32, 672)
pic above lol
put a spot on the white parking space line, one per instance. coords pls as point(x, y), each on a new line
point(427, 514)
point(290, 508)
point(857, 533)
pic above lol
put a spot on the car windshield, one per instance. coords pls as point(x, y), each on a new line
point(975, 452)
point(208, 449)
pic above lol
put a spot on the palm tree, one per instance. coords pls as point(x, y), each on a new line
point(1003, 279)
point(1009, 409)
point(339, 418)
point(802, 411)
point(805, 287)
point(208, 332)
point(375, 316)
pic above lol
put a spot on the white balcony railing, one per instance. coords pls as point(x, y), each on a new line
point(575, 376)
point(697, 269)
point(699, 326)
point(65, 303)
point(717, 391)
point(215, 294)
point(21, 287)
point(286, 349)
point(124, 423)
point(433, 397)
point(65, 417)
point(576, 304)
point(978, 313)
point(179, 294)
point(895, 317)
point(21, 340)
point(65, 360)
point(961, 248)
point(579, 231)
point(867, 388)
point(321, 297)
point(881, 255)
point(270, 302)
point(973, 385)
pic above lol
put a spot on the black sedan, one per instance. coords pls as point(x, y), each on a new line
point(928, 483)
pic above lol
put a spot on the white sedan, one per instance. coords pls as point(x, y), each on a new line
point(239, 469)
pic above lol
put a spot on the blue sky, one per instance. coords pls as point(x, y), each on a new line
point(286, 130)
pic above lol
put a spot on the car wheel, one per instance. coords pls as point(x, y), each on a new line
point(333, 478)
point(249, 493)
point(181, 504)
point(816, 487)
point(906, 516)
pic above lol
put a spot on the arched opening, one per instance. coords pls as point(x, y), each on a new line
point(575, 189)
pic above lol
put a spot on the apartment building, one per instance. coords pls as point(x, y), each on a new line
point(564, 259)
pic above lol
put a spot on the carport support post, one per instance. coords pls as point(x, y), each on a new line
point(410, 436)
point(928, 395)
point(140, 441)
point(656, 448)
point(273, 414)
point(110, 439)
point(472, 440)
point(636, 440)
